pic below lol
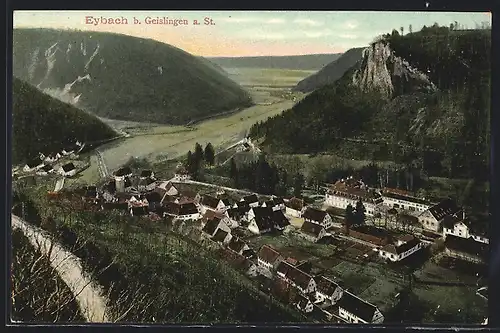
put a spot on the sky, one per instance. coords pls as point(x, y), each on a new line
point(251, 33)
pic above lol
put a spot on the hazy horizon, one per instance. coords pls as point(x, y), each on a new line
point(252, 33)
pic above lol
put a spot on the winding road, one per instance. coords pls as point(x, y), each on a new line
point(88, 295)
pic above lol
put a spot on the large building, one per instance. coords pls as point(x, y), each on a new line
point(349, 191)
point(403, 200)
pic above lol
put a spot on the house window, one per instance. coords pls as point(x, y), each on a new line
point(392, 256)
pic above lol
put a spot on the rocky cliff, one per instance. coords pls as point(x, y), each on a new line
point(382, 71)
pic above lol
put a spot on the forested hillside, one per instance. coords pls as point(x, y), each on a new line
point(44, 124)
point(123, 77)
point(421, 99)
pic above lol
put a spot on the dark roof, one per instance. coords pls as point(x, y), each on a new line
point(123, 171)
point(284, 267)
point(269, 203)
point(146, 173)
point(298, 277)
point(392, 211)
point(209, 201)
point(449, 221)
point(445, 207)
point(146, 181)
point(188, 208)
point(220, 235)
point(466, 245)
point(91, 192)
point(353, 189)
point(278, 201)
point(392, 248)
point(236, 260)
point(236, 244)
point(188, 193)
point(310, 228)
point(139, 210)
point(47, 168)
point(128, 182)
point(172, 208)
point(34, 162)
point(237, 213)
point(325, 286)
point(68, 167)
point(110, 186)
point(153, 196)
point(263, 217)
point(251, 198)
point(314, 214)
point(406, 198)
point(357, 306)
point(280, 219)
point(210, 215)
point(268, 254)
point(295, 203)
point(211, 226)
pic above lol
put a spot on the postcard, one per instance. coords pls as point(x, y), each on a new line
point(230, 167)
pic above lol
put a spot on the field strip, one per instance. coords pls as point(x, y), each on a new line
point(87, 294)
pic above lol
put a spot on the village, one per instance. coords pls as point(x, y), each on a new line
point(260, 234)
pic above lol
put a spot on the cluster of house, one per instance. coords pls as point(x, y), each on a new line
point(310, 292)
point(445, 217)
point(44, 163)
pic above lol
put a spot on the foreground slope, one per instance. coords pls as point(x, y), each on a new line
point(123, 77)
point(44, 124)
point(331, 72)
point(423, 97)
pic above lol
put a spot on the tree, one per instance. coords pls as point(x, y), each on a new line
point(209, 154)
point(198, 152)
point(298, 185)
point(233, 172)
point(359, 215)
point(410, 28)
point(349, 217)
point(402, 30)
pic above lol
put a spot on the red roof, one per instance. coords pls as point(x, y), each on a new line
point(268, 254)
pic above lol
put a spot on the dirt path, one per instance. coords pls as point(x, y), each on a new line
point(88, 295)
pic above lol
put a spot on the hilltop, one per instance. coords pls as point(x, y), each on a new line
point(331, 72)
point(421, 99)
point(302, 62)
point(44, 124)
point(123, 77)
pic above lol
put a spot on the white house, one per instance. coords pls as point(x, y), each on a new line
point(275, 204)
point(312, 231)
point(317, 216)
point(268, 258)
point(402, 248)
point(303, 303)
point(33, 165)
point(138, 200)
point(68, 170)
point(52, 157)
point(294, 207)
point(295, 277)
point(353, 309)
point(45, 170)
point(261, 220)
point(327, 290)
point(457, 225)
point(432, 218)
point(349, 192)
point(395, 198)
point(215, 204)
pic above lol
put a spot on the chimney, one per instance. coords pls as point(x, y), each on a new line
point(463, 214)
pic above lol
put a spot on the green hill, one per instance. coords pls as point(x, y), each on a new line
point(302, 62)
point(331, 72)
point(123, 77)
point(44, 124)
point(420, 99)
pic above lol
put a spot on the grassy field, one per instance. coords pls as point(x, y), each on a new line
point(268, 77)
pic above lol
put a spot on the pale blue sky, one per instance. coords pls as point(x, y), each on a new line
point(256, 33)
